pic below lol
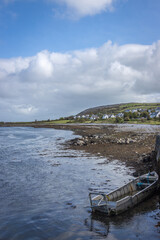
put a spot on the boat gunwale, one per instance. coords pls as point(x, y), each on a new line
point(132, 181)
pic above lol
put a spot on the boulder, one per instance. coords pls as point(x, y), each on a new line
point(81, 142)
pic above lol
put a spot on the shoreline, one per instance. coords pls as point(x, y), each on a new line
point(132, 144)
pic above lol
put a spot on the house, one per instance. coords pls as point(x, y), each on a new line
point(128, 110)
point(112, 116)
point(121, 115)
point(143, 110)
point(155, 115)
point(134, 110)
point(94, 117)
point(77, 117)
point(87, 116)
point(157, 109)
point(105, 116)
point(158, 114)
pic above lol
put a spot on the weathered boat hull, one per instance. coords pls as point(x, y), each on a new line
point(136, 199)
point(126, 196)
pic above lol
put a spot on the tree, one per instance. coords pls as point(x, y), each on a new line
point(119, 120)
point(126, 119)
point(126, 115)
point(148, 118)
point(135, 115)
point(145, 114)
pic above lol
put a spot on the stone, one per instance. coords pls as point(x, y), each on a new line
point(80, 142)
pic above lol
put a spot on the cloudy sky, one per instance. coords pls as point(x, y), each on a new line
point(59, 57)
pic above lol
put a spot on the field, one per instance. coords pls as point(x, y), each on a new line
point(117, 108)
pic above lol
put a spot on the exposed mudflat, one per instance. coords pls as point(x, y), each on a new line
point(132, 144)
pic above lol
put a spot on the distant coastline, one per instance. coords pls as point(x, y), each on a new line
point(132, 113)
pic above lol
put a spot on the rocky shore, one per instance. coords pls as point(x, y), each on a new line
point(134, 145)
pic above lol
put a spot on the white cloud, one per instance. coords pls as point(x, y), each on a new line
point(24, 109)
point(51, 85)
point(83, 8)
point(75, 8)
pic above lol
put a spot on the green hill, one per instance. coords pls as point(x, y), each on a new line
point(117, 108)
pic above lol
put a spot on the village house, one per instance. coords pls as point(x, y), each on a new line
point(77, 117)
point(94, 117)
point(128, 110)
point(121, 115)
point(112, 116)
point(155, 115)
point(134, 110)
point(143, 110)
point(105, 116)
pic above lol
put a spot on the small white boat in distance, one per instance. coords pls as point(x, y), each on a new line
point(125, 197)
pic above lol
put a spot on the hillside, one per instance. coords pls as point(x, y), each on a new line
point(117, 108)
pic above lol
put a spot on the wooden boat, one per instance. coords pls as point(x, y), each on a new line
point(125, 197)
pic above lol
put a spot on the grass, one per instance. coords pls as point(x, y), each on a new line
point(117, 108)
point(67, 121)
point(139, 105)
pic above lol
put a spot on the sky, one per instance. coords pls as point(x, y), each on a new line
point(59, 57)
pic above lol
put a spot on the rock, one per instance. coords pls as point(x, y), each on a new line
point(135, 174)
point(147, 159)
point(144, 154)
point(127, 141)
point(80, 142)
point(121, 141)
point(96, 137)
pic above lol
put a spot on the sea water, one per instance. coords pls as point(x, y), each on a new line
point(44, 191)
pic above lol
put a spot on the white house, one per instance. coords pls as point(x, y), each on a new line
point(112, 116)
point(134, 110)
point(120, 115)
point(105, 116)
point(94, 117)
point(155, 115)
point(158, 114)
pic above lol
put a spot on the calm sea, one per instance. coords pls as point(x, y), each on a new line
point(44, 191)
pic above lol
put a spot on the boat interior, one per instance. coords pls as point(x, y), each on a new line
point(130, 189)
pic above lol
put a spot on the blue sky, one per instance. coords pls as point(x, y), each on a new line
point(29, 26)
point(85, 51)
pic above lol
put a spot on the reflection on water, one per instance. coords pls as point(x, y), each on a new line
point(140, 222)
point(44, 191)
